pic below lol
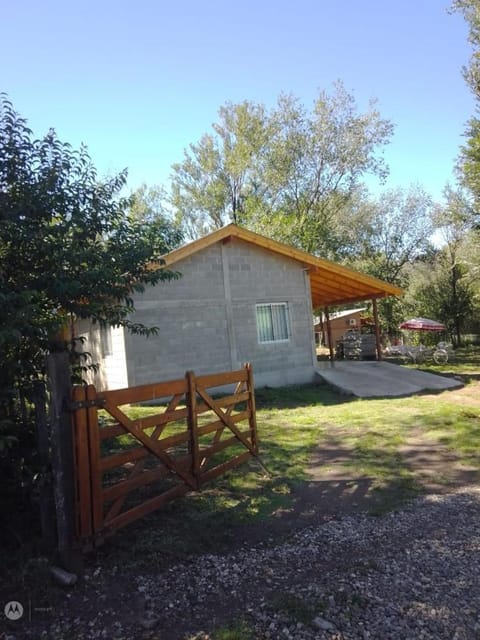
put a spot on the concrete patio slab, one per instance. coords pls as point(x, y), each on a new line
point(366, 379)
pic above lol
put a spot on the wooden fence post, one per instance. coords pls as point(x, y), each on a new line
point(46, 502)
point(58, 372)
point(378, 341)
point(251, 406)
point(191, 398)
point(95, 471)
point(84, 525)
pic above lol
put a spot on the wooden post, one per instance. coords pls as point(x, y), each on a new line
point(46, 502)
point(329, 334)
point(83, 518)
point(94, 449)
point(191, 397)
point(58, 372)
point(252, 420)
point(377, 329)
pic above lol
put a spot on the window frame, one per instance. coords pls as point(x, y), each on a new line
point(286, 318)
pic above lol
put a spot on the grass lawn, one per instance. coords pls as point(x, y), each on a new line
point(293, 424)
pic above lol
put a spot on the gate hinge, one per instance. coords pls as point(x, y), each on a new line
point(86, 404)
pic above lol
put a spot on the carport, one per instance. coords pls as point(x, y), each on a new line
point(333, 285)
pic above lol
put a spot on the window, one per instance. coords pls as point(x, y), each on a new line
point(272, 322)
point(106, 341)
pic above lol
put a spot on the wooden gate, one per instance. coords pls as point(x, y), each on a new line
point(129, 465)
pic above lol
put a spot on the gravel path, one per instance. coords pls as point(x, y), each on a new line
point(409, 575)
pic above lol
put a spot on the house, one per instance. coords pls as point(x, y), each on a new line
point(242, 297)
point(340, 323)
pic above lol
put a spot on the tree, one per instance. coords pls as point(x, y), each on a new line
point(283, 172)
point(210, 186)
point(315, 165)
point(389, 234)
point(67, 249)
point(394, 230)
point(446, 286)
point(149, 204)
point(469, 160)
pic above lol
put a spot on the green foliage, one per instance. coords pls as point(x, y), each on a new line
point(284, 172)
point(211, 186)
point(387, 235)
point(469, 160)
point(445, 286)
point(67, 246)
point(67, 249)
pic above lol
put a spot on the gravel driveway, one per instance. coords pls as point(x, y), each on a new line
point(406, 576)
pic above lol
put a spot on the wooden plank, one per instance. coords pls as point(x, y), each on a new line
point(377, 329)
point(175, 440)
point(192, 425)
point(158, 419)
point(219, 424)
point(225, 418)
point(219, 445)
point(125, 487)
point(147, 507)
point(94, 452)
point(220, 379)
point(252, 421)
point(224, 467)
point(152, 445)
point(82, 467)
point(119, 459)
point(237, 393)
point(225, 401)
point(137, 469)
point(144, 393)
point(139, 453)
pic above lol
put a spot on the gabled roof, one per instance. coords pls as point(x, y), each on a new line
point(331, 283)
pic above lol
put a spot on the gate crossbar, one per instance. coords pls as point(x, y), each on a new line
point(182, 459)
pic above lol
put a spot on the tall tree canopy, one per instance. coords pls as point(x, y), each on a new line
point(469, 160)
point(387, 234)
point(67, 245)
point(284, 172)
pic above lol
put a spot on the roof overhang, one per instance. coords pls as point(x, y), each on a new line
point(331, 284)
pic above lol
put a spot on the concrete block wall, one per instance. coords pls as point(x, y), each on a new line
point(258, 276)
point(191, 316)
point(112, 369)
point(207, 318)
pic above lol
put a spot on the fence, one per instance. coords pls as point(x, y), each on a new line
point(127, 463)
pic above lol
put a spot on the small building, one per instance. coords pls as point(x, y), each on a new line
point(340, 323)
point(241, 297)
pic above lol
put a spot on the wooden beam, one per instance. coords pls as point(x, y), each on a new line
point(329, 334)
point(377, 329)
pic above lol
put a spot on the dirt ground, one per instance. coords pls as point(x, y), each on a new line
point(334, 491)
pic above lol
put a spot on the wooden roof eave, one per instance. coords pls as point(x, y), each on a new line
point(320, 302)
point(331, 283)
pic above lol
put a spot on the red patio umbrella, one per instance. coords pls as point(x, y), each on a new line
point(422, 324)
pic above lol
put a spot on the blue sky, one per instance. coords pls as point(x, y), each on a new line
point(139, 81)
